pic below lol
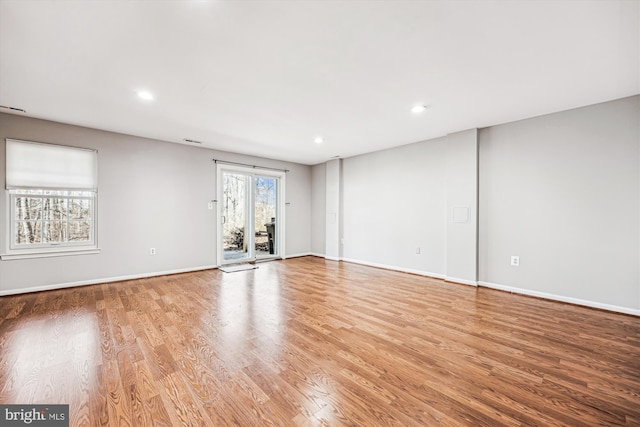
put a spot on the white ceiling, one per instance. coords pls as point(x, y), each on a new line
point(267, 77)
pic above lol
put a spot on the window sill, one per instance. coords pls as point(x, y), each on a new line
point(48, 254)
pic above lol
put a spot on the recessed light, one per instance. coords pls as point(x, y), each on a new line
point(318, 140)
point(143, 94)
point(419, 108)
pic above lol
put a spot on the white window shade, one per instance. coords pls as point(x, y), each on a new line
point(36, 165)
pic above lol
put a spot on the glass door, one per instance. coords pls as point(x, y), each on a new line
point(236, 218)
point(266, 216)
point(250, 214)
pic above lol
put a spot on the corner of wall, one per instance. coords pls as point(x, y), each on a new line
point(462, 206)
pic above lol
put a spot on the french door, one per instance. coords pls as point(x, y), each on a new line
point(250, 214)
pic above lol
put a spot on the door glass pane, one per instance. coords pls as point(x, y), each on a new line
point(265, 216)
point(235, 216)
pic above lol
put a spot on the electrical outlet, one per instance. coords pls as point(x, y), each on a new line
point(418, 251)
point(210, 206)
point(152, 251)
point(515, 260)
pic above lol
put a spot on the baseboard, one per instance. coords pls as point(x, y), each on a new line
point(461, 281)
point(404, 270)
point(330, 258)
point(107, 280)
point(394, 268)
point(297, 255)
point(561, 298)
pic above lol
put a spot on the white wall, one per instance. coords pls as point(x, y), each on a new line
point(394, 202)
point(562, 192)
point(318, 208)
point(151, 194)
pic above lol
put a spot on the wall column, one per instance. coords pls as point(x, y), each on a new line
point(332, 229)
point(462, 207)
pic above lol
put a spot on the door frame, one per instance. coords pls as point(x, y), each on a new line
point(280, 211)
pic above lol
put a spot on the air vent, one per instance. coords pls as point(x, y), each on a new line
point(13, 108)
point(193, 141)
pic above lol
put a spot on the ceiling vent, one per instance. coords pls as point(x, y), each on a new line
point(13, 109)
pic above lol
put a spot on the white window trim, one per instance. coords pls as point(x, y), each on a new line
point(47, 251)
point(28, 254)
point(13, 246)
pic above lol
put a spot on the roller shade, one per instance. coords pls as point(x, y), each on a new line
point(36, 165)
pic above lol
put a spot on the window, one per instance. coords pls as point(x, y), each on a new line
point(53, 195)
point(50, 217)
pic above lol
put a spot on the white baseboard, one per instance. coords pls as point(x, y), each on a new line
point(544, 295)
point(506, 288)
point(561, 298)
point(106, 280)
point(297, 255)
point(461, 281)
point(394, 268)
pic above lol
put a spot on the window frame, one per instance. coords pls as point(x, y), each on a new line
point(14, 250)
point(29, 247)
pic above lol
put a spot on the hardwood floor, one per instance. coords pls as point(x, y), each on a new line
point(314, 342)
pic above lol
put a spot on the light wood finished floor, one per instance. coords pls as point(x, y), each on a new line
point(314, 342)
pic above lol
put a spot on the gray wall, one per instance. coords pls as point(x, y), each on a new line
point(394, 202)
point(318, 208)
point(333, 177)
point(562, 191)
point(462, 206)
point(400, 201)
point(151, 194)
